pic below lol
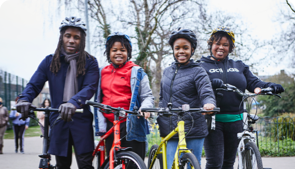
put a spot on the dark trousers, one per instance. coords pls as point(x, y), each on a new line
point(221, 145)
point(137, 147)
point(19, 135)
point(84, 161)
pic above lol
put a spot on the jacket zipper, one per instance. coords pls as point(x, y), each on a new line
point(113, 73)
point(170, 100)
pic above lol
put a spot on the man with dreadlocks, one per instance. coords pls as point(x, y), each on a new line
point(72, 75)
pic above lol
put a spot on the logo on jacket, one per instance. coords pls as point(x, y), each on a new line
point(221, 71)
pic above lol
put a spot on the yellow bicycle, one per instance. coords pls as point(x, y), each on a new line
point(158, 154)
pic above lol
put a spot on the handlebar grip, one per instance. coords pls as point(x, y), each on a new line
point(89, 102)
point(79, 110)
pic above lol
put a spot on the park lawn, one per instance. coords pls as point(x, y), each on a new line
point(32, 131)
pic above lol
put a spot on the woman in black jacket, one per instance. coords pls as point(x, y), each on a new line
point(221, 69)
point(185, 82)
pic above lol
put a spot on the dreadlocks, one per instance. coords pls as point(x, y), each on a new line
point(81, 61)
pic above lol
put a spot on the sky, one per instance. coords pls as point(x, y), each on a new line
point(30, 30)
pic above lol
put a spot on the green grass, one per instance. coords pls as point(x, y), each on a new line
point(32, 131)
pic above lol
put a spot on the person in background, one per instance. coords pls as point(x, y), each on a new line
point(221, 144)
point(3, 123)
point(19, 127)
point(41, 115)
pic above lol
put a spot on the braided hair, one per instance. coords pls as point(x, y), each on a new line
point(81, 61)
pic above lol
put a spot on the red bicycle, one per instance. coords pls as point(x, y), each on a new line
point(119, 157)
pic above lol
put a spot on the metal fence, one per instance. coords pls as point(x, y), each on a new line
point(10, 86)
point(276, 136)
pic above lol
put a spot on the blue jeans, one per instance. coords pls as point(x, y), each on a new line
point(194, 144)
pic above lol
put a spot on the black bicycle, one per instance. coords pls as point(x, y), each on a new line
point(248, 153)
point(45, 156)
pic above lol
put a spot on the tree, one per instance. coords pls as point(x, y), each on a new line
point(284, 43)
point(274, 105)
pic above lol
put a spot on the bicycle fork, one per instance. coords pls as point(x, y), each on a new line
point(244, 136)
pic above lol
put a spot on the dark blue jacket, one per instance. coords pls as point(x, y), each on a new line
point(81, 128)
point(235, 73)
point(190, 85)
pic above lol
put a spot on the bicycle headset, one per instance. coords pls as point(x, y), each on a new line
point(73, 22)
point(122, 35)
point(183, 33)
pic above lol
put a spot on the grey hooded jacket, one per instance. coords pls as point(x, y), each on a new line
point(185, 84)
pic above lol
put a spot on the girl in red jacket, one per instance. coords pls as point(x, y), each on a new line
point(124, 84)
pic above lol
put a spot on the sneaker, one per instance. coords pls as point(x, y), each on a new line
point(22, 151)
point(16, 151)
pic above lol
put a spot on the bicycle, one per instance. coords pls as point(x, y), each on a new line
point(119, 157)
point(158, 153)
point(45, 156)
point(248, 153)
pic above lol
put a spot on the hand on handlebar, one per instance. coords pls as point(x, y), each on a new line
point(23, 107)
point(277, 88)
point(145, 114)
point(67, 110)
point(208, 106)
point(216, 83)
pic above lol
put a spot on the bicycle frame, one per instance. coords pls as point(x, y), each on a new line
point(181, 148)
point(115, 147)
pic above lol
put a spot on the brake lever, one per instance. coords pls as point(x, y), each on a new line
point(278, 95)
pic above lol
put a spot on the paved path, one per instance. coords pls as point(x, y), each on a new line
point(33, 147)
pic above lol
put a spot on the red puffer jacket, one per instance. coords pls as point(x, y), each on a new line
point(115, 85)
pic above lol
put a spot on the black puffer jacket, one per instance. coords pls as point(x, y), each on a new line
point(187, 84)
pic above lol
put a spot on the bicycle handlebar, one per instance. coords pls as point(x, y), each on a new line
point(48, 109)
point(167, 110)
point(232, 88)
point(110, 109)
point(52, 109)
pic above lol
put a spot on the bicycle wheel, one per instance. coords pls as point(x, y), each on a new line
point(127, 159)
point(189, 160)
point(251, 157)
point(158, 163)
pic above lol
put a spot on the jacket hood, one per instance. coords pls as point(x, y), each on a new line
point(191, 63)
point(209, 60)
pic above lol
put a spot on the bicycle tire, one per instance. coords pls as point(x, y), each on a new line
point(158, 163)
point(129, 159)
point(189, 159)
point(251, 157)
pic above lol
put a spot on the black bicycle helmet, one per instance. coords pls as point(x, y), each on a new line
point(183, 33)
point(73, 22)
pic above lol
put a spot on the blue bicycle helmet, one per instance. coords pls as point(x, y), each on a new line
point(73, 22)
point(119, 34)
